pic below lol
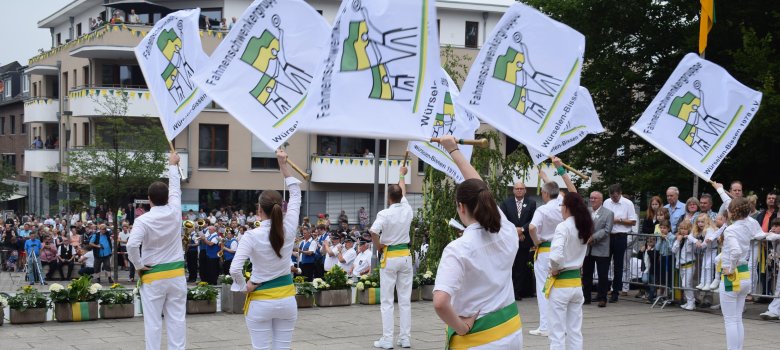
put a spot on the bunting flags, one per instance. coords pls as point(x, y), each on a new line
point(445, 118)
point(262, 71)
point(584, 121)
point(169, 56)
point(373, 78)
point(525, 76)
point(699, 115)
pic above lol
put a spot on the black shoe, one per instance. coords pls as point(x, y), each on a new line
point(110, 280)
point(602, 304)
point(613, 300)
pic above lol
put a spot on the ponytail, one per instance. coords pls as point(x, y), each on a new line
point(271, 205)
point(479, 201)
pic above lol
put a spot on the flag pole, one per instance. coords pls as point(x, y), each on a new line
point(575, 171)
point(173, 150)
point(706, 20)
point(481, 143)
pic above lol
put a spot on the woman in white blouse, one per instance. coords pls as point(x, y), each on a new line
point(473, 293)
point(564, 286)
point(270, 308)
point(735, 270)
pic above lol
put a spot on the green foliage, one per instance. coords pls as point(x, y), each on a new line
point(369, 280)
point(455, 65)
point(427, 278)
point(28, 298)
point(78, 290)
point(116, 295)
point(225, 279)
point(334, 279)
point(7, 172)
point(203, 291)
point(304, 288)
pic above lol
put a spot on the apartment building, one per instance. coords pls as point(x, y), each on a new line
point(14, 86)
point(223, 163)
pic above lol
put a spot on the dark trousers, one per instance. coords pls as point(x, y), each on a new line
point(523, 279)
point(69, 264)
point(226, 267)
point(203, 263)
point(53, 266)
point(602, 268)
point(192, 265)
point(617, 252)
point(213, 270)
point(86, 271)
point(307, 270)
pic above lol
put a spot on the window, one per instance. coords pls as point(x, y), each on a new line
point(35, 89)
point(24, 126)
point(8, 87)
point(262, 156)
point(85, 75)
point(122, 75)
point(59, 39)
point(86, 134)
point(9, 159)
point(2, 125)
point(25, 83)
point(349, 202)
point(12, 121)
point(347, 146)
point(213, 146)
point(74, 137)
point(214, 16)
point(65, 82)
point(78, 30)
point(421, 165)
point(472, 34)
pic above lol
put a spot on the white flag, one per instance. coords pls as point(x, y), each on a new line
point(445, 118)
point(698, 115)
point(371, 83)
point(262, 70)
point(584, 121)
point(169, 56)
point(525, 76)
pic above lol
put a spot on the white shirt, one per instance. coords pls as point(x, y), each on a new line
point(349, 256)
point(90, 259)
point(567, 250)
point(736, 244)
point(361, 261)
point(159, 230)
point(331, 261)
point(473, 269)
point(393, 223)
point(624, 210)
point(546, 219)
point(123, 236)
point(256, 246)
point(684, 249)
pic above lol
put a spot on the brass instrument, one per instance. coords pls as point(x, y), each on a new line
point(257, 223)
point(201, 223)
point(188, 226)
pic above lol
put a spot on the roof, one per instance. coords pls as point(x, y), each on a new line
point(13, 66)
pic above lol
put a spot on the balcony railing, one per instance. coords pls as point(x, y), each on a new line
point(354, 169)
point(41, 160)
point(85, 101)
point(41, 110)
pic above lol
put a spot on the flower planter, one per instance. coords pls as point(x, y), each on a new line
point(416, 294)
point(369, 296)
point(76, 312)
point(427, 292)
point(232, 302)
point(304, 302)
point(201, 306)
point(113, 311)
point(340, 297)
point(2, 316)
point(28, 316)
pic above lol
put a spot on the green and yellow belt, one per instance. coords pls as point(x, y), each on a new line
point(163, 271)
point(277, 288)
point(394, 251)
point(487, 329)
point(686, 265)
point(544, 247)
point(731, 283)
point(564, 279)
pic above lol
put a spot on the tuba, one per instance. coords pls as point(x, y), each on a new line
point(188, 226)
point(257, 223)
point(201, 223)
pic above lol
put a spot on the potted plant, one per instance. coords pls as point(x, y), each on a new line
point(333, 289)
point(426, 281)
point(28, 306)
point(368, 288)
point(3, 304)
point(202, 299)
point(77, 302)
point(232, 302)
point(416, 293)
point(117, 302)
point(304, 292)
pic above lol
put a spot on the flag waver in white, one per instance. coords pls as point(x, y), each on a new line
point(525, 76)
point(584, 121)
point(262, 70)
point(371, 83)
point(169, 55)
point(444, 118)
point(699, 115)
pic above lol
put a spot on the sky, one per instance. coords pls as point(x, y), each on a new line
point(22, 38)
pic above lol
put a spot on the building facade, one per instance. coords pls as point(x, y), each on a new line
point(14, 87)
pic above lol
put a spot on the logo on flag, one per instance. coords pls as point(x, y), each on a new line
point(699, 115)
point(178, 73)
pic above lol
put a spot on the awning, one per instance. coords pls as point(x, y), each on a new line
point(140, 6)
point(14, 197)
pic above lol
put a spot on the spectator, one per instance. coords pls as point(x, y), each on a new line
point(134, 19)
point(624, 220)
point(691, 211)
point(343, 217)
point(598, 250)
point(87, 261)
point(676, 208)
point(232, 23)
point(705, 205)
point(519, 210)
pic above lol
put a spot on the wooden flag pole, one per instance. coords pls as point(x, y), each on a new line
point(406, 157)
point(481, 143)
point(173, 150)
point(575, 171)
point(294, 166)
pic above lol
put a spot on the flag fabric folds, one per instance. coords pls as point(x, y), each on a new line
point(583, 122)
point(444, 118)
point(699, 115)
point(706, 20)
point(372, 80)
point(169, 55)
point(525, 77)
point(262, 70)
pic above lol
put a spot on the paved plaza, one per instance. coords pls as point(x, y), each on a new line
point(628, 324)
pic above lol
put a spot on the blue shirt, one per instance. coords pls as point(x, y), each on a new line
point(675, 214)
point(104, 242)
point(33, 244)
point(24, 233)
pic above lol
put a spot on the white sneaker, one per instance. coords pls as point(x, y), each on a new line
point(715, 283)
point(715, 307)
point(383, 343)
point(689, 306)
point(700, 286)
point(539, 332)
point(404, 343)
point(769, 315)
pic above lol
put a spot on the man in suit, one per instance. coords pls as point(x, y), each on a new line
point(598, 250)
point(520, 210)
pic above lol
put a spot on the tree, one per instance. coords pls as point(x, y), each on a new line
point(7, 172)
point(127, 155)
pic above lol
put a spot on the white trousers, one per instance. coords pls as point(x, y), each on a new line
point(731, 305)
point(686, 282)
point(165, 297)
point(271, 323)
point(708, 266)
point(541, 271)
point(774, 306)
point(565, 316)
point(513, 341)
point(397, 274)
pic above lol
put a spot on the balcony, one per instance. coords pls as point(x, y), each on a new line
point(86, 101)
point(101, 158)
point(41, 160)
point(41, 110)
point(353, 170)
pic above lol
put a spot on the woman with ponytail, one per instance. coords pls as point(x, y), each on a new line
point(563, 288)
point(270, 306)
point(473, 293)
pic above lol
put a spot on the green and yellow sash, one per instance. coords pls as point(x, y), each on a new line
point(731, 283)
point(564, 279)
point(487, 329)
point(394, 251)
point(544, 247)
point(80, 311)
point(277, 288)
point(686, 265)
point(163, 271)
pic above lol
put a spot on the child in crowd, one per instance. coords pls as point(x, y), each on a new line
point(683, 248)
point(704, 228)
point(651, 264)
point(716, 238)
point(10, 263)
point(663, 245)
point(773, 311)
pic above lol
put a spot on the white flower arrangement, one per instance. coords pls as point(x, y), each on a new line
point(318, 283)
point(95, 288)
point(373, 284)
point(350, 282)
point(3, 301)
point(428, 274)
point(56, 287)
point(360, 286)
